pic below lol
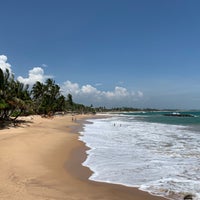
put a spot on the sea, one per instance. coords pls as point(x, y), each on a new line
point(152, 151)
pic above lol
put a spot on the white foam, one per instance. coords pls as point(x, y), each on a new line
point(162, 159)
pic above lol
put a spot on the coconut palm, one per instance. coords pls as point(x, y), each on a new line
point(47, 97)
point(14, 96)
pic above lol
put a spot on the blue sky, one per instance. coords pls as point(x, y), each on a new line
point(139, 53)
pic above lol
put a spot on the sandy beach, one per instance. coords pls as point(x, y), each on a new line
point(41, 159)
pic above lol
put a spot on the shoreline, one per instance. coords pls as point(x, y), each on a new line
point(43, 160)
point(113, 191)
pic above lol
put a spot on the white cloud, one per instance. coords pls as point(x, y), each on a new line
point(140, 94)
point(87, 94)
point(3, 63)
point(44, 65)
point(98, 84)
point(69, 87)
point(88, 89)
point(35, 74)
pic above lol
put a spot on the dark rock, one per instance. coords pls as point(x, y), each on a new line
point(188, 197)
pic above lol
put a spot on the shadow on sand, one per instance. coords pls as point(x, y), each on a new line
point(13, 123)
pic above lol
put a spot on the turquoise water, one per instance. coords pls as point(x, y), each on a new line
point(159, 117)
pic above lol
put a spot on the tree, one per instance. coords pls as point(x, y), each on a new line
point(2, 100)
point(14, 96)
point(47, 97)
point(70, 100)
point(22, 99)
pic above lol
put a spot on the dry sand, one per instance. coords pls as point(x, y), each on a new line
point(41, 160)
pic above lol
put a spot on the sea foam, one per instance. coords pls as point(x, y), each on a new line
point(159, 158)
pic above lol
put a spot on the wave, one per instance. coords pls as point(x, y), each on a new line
point(159, 158)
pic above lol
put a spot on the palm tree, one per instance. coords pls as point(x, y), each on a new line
point(37, 90)
point(2, 100)
point(5, 93)
point(14, 96)
point(47, 97)
point(22, 100)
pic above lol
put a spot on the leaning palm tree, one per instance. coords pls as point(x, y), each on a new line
point(6, 81)
point(22, 100)
point(14, 96)
point(37, 93)
point(37, 90)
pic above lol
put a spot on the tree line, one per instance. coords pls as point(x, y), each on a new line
point(18, 99)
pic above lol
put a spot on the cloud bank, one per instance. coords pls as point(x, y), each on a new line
point(4, 64)
point(35, 74)
point(88, 94)
point(85, 94)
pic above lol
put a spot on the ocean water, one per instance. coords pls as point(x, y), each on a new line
point(156, 153)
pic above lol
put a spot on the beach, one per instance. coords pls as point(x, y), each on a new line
point(41, 159)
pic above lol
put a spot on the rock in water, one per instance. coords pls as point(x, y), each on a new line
point(188, 197)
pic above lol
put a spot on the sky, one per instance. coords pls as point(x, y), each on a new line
point(135, 53)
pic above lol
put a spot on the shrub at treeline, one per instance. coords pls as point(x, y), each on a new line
point(44, 98)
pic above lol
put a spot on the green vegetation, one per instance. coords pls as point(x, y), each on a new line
point(14, 97)
point(44, 98)
point(124, 109)
point(47, 98)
